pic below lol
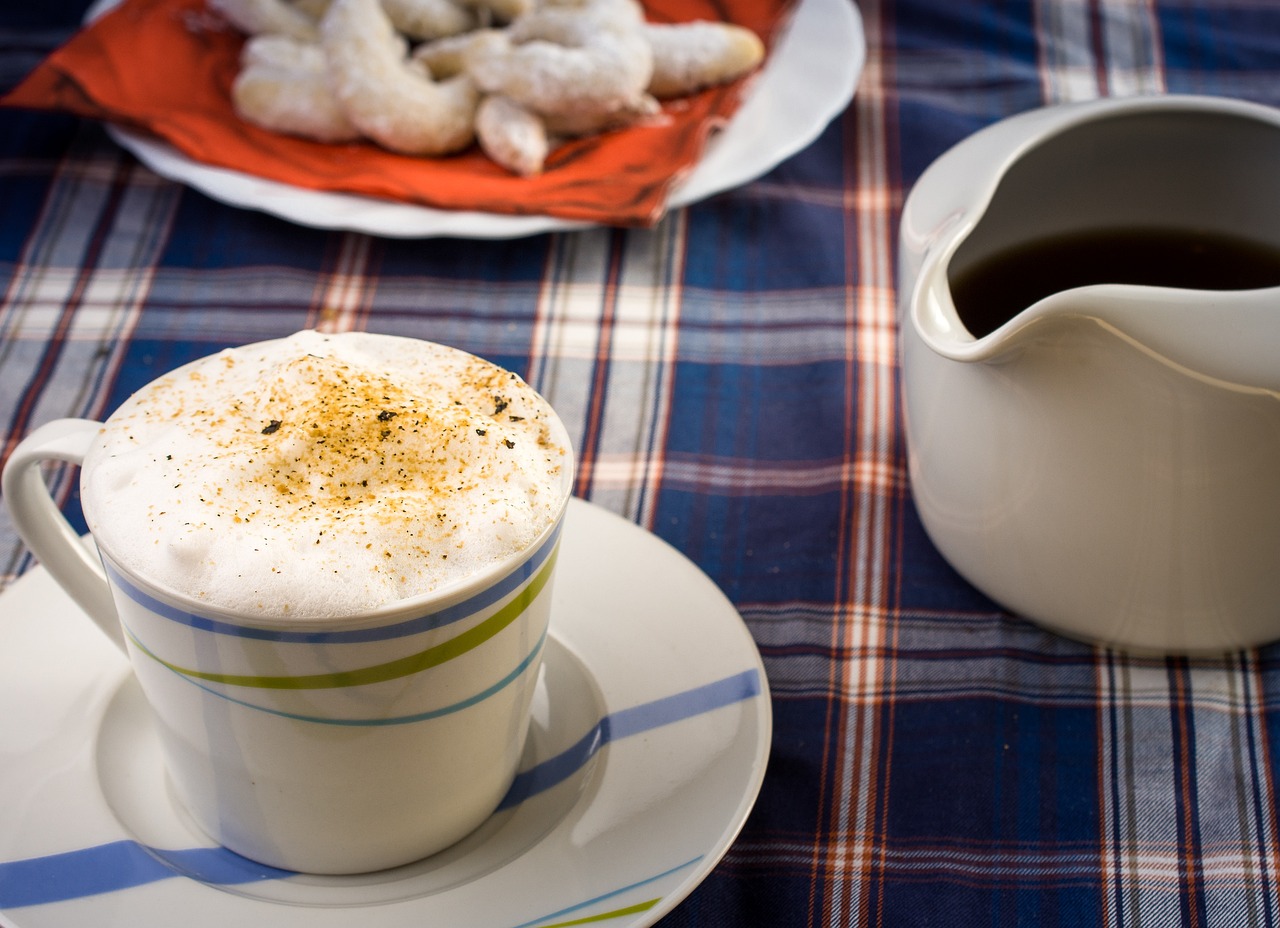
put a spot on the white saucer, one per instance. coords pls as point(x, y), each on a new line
point(649, 742)
point(809, 79)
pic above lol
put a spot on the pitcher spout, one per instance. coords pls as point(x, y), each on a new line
point(1230, 339)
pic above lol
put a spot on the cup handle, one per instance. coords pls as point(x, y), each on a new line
point(44, 528)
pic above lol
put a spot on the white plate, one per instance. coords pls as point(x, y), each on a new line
point(808, 80)
point(648, 746)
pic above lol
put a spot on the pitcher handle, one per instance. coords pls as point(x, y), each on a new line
point(44, 528)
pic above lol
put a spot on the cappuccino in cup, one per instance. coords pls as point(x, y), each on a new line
point(329, 559)
point(323, 475)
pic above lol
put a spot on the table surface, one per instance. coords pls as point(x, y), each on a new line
point(731, 384)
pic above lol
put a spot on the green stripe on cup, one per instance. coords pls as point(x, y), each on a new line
point(380, 673)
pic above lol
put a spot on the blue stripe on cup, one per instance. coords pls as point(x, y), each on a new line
point(414, 626)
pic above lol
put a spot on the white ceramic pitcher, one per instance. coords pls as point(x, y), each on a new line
point(1107, 461)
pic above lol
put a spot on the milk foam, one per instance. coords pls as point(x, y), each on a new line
point(323, 475)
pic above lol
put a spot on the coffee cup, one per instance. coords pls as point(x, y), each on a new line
point(329, 560)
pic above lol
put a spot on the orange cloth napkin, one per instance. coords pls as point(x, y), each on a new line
point(166, 67)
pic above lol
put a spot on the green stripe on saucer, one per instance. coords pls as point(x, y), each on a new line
point(606, 916)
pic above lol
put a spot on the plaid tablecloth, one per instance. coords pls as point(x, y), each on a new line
point(731, 382)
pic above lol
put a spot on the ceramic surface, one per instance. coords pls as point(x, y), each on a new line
point(809, 79)
point(338, 745)
point(650, 736)
point(1103, 463)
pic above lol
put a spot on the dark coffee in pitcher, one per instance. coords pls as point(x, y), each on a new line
point(994, 290)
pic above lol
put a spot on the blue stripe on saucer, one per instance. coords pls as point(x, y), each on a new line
point(122, 864)
point(119, 865)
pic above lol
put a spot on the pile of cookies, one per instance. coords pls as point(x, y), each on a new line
point(430, 77)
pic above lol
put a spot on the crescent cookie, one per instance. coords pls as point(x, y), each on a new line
point(500, 11)
point(583, 61)
point(574, 125)
point(429, 19)
point(274, 17)
point(282, 86)
point(518, 76)
point(387, 96)
point(690, 56)
point(452, 55)
point(512, 136)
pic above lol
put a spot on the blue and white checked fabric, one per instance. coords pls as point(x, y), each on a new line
point(730, 381)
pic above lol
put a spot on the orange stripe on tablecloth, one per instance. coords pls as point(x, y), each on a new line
point(836, 753)
point(860, 788)
point(881, 198)
point(598, 394)
point(668, 338)
point(344, 295)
